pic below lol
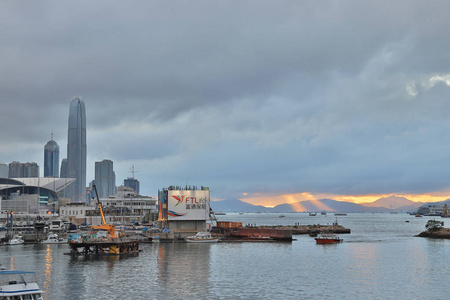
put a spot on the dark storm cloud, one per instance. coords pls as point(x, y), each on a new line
point(259, 96)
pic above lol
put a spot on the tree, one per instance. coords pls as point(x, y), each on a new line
point(434, 225)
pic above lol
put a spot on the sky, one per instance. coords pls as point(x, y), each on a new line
point(265, 101)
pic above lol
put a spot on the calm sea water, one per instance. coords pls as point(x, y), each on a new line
point(380, 259)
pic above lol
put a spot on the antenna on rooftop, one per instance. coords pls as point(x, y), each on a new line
point(132, 171)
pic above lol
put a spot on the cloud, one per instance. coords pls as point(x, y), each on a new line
point(254, 97)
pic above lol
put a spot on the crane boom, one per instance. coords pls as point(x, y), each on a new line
point(109, 228)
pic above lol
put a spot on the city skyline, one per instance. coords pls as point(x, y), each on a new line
point(260, 101)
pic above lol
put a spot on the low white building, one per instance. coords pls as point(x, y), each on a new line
point(76, 213)
point(127, 202)
point(123, 207)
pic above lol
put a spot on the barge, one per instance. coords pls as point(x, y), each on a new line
point(109, 244)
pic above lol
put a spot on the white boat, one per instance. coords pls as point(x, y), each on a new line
point(16, 284)
point(202, 237)
point(16, 240)
point(57, 225)
point(54, 239)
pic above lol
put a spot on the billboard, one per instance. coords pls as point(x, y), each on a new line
point(188, 205)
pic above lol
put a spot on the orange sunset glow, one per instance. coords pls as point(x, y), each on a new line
point(271, 201)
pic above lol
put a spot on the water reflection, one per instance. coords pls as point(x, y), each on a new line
point(48, 271)
point(184, 270)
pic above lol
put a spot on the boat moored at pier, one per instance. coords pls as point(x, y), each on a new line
point(16, 240)
point(202, 237)
point(54, 239)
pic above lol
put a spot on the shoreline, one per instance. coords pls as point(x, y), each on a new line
point(441, 233)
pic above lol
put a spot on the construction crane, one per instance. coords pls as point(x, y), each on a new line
point(108, 227)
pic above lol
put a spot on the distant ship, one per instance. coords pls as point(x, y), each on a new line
point(445, 213)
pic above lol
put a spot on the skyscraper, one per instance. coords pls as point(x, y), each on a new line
point(132, 183)
point(63, 172)
point(105, 178)
point(51, 159)
point(19, 170)
point(4, 170)
point(76, 149)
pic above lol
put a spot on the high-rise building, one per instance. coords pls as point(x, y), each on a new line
point(51, 159)
point(132, 183)
point(105, 178)
point(4, 170)
point(76, 149)
point(63, 173)
point(23, 170)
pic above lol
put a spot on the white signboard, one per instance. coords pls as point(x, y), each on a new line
point(188, 205)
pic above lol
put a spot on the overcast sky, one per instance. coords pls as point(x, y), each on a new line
point(251, 98)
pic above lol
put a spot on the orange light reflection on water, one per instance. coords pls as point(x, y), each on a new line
point(48, 271)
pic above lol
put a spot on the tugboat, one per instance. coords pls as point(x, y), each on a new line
point(109, 244)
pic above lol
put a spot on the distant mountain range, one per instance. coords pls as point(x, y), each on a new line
point(388, 204)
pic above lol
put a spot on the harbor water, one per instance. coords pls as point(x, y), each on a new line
point(380, 259)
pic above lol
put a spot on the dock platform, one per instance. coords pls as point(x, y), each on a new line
point(107, 247)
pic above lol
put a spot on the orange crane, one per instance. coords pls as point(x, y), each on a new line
point(108, 227)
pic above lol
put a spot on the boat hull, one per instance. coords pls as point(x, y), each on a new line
point(202, 240)
point(328, 241)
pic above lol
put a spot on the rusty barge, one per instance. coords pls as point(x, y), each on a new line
point(234, 231)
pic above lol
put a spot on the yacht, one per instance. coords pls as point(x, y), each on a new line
point(54, 239)
point(202, 237)
point(15, 284)
point(57, 225)
point(16, 240)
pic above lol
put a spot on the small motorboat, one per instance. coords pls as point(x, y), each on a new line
point(328, 239)
point(54, 239)
point(16, 240)
point(202, 237)
point(313, 233)
point(15, 284)
point(312, 214)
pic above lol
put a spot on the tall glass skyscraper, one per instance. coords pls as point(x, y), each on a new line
point(76, 149)
point(105, 178)
point(51, 159)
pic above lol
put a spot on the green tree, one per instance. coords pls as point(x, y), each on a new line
point(434, 225)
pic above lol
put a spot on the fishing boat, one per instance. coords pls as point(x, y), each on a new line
point(54, 239)
point(202, 237)
point(328, 239)
point(16, 240)
point(15, 284)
